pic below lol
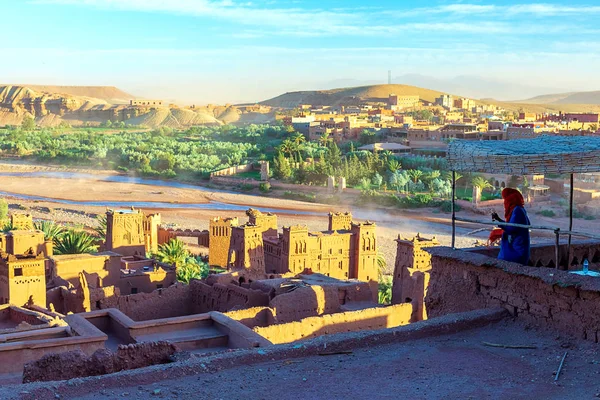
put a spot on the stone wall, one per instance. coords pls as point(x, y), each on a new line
point(549, 298)
point(351, 321)
point(305, 302)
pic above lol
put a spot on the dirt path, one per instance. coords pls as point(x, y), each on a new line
point(454, 366)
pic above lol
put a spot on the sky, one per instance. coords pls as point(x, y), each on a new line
point(228, 51)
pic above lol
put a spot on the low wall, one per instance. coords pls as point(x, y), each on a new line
point(464, 281)
point(232, 170)
point(225, 180)
point(252, 317)
point(543, 255)
point(351, 321)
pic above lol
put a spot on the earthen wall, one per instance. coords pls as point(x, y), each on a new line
point(550, 298)
point(350, 321)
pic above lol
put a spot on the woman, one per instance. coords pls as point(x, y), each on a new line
point(515, 243)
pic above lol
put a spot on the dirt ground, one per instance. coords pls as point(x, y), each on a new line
point(457, 366)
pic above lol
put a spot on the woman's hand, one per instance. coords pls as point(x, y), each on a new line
point(496, 217)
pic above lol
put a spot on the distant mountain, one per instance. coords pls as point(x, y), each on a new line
point(349, 96)
point(109, 94)
point(471, 86)
point(566, 98)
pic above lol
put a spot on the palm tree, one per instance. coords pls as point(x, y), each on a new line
point(101, 228)
point(393, 165)
point(324, 139)
point(173, 252)
point(287, 147)
point(52, 231)
point(298, 140)
point(8, 227)
point(415, 174)
point(75, 242)
point(381, 264)
point(481, 183)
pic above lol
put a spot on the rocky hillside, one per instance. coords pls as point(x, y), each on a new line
point(349, 96)
point(79, 105)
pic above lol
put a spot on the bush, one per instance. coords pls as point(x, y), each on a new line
point(546, 213)
point(122, 169)
point(246, 187)
point(311, 198)
point(446, 206)
point(264, 187)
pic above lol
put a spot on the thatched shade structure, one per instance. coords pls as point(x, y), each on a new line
point(542, 155)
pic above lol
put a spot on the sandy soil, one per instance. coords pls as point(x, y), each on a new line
point(456, 366)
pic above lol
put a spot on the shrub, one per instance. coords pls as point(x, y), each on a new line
point(264, 187)
point(122, 169)
point(246, 187)
point(547, 213)
point(446, 206)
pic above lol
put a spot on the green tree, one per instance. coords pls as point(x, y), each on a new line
point(393, 165)
point(172, 252)
point(415, 174)
point(101, 228)
point(385, 289)
point(324, 139)
point(3, 209)
point(193, 268)
point(28, 123)
point(481, 183)
point(281, 167)
point(377, 180)
point(368, 137)
point(75, 242)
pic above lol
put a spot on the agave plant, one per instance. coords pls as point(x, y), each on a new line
point(75, 242)
point(52, 231)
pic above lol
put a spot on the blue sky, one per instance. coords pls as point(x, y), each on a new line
point(204, 51)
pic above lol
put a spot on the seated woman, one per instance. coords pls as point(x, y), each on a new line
point(515, 242)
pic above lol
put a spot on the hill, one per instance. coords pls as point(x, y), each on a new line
point(349, 96)
point(81, 105)
point(109, 94)
point(566, 98)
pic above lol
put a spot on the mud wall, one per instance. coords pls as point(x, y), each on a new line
point(223, 298)
point(351, 321)
point(173, 301)
point(549, 298)
point(252, 317)
point(75, 364)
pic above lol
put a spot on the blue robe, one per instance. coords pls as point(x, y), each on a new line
point(515, 244)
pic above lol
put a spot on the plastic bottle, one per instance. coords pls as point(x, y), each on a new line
point(586, 266)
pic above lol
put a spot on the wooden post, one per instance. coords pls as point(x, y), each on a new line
point(557, 247)
point(453, 209)
point(570, 221)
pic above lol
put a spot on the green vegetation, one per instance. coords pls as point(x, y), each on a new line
point(188, 267)
point(3, 209)
point(264, 187)
point(52, 231)
point(385, 289)
point(75, 242)
point(162, 152)
point(546, 213)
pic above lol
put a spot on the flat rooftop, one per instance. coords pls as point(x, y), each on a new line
point(444, 366)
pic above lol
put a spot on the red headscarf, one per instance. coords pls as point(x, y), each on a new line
point(512, 198)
